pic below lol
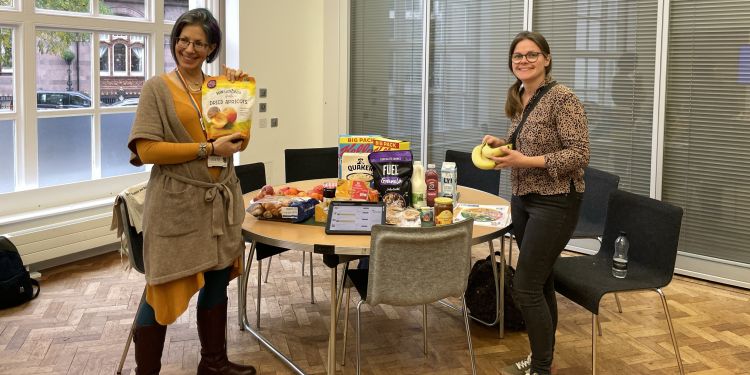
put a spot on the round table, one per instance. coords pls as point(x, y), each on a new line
point(312, 238)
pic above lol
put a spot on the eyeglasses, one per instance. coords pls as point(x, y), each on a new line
point(530, 56)
point(197, 44)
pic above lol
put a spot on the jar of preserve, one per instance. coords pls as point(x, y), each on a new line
point(443, 211)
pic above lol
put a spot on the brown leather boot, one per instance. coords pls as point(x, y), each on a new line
point(149, 343)
point(212, 324)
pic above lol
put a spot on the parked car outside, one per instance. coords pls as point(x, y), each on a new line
point(62, 100)
point(125, 102)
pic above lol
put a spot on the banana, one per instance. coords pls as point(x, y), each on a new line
point(479, 160)
point(488, 151)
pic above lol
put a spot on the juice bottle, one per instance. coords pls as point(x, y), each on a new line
point(418, 186)
point(432, 180)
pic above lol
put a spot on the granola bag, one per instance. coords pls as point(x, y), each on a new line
point(228, 106)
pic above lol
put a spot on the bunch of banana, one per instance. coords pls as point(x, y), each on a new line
point(481, 154)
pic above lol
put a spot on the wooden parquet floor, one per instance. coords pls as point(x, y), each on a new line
point(80, 322)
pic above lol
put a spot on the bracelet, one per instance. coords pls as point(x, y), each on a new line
point(202, 153)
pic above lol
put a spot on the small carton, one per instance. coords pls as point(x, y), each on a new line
point(386, 144)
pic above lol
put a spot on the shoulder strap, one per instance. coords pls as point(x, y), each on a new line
point(530, 107)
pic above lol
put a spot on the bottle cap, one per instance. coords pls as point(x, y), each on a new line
point(622, 233)
point(431, 165)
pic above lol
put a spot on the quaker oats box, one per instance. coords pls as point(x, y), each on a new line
point(350, 143)
point(356, 167)
point(227, 106)
point(387, 144)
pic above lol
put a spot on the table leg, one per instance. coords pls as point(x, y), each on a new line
point(332, 334)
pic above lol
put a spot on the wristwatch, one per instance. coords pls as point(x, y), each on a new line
point(202, 151)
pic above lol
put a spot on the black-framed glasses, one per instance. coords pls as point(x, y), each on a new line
point(197, 44)
point(531, 57)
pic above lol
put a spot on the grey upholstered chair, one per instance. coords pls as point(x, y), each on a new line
point(414, 266)
point(653, 230)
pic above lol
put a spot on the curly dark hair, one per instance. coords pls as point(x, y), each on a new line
point(203, 18)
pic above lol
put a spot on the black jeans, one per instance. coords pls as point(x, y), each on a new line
point(542, 225)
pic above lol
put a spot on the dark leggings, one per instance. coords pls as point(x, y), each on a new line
point(214, 292)
point(542, 225)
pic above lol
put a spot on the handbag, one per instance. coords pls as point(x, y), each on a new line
point(481, 299)
point(16, 285)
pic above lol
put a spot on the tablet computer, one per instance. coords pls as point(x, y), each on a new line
point(354, 217)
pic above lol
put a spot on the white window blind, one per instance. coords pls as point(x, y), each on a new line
point(386, 69)
point(469, 74)
point(707, 126)
point(605, 51)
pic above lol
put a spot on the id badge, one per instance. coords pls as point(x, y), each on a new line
point(217, 161)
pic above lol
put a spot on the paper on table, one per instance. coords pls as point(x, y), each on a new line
point(484, 215)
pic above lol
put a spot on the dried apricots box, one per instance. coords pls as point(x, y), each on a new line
point(227, 106)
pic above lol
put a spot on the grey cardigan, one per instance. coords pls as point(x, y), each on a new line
point(190, 223)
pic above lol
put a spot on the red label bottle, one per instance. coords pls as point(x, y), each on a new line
point(432, 180)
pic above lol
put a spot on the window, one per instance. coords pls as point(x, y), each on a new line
point(706, 164)
point(75, 124)
point(604, 51)
point(119, 58)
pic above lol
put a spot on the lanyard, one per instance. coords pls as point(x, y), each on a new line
point(192, 101)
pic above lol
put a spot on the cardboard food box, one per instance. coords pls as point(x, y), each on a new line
point(386, 144)
point(283, 208)
point(349, 143)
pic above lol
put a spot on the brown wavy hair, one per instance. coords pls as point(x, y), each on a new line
point(513, 104)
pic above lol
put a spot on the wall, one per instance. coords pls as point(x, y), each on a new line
point(281, 44)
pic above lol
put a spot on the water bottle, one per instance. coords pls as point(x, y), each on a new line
point(620, 259)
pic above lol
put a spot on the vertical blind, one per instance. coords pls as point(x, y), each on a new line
point(385, 94)
point(605, 51)
point(707, 126)
point(469, 74)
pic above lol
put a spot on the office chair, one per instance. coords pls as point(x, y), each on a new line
point(653, 229)
point(471, 176)
point(133, 244)
point(443, 256)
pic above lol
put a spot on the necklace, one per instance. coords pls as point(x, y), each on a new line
point(192, 86)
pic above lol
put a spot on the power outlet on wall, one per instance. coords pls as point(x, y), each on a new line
point(274, 122)
point(261, 107)
point(263, 123)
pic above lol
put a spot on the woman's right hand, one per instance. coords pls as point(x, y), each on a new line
point(227, 145)
point(493, 141)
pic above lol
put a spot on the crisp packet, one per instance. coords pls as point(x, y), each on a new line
point(228, 106)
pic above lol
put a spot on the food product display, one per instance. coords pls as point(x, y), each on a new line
point(392, 171)
point(443, 211)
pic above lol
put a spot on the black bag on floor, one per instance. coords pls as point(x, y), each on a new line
point(15, 282)
point(480, 294)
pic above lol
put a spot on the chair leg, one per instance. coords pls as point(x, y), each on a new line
point(346, 325)
point(257, 307)
point(312, 282)
point(424, 328)
point(594, 322)
point(358, 332)
point(130, 334)
point(268, 270)
point(242, 286)
point(598, 325)
point(303, 264)
point(671, 330)
point(468, 336)
point(340, 293)
point(617, 299)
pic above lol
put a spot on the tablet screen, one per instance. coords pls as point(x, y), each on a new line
point(353, 217)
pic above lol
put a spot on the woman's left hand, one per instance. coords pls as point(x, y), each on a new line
point(234, 74)
point(512, 158)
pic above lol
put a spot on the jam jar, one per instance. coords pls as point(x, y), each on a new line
point(443, 211)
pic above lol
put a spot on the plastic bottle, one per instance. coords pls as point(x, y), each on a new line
point(432, 180)
point(620, 259)
point(418, 186)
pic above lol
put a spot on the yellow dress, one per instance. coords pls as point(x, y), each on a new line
point(171, 299)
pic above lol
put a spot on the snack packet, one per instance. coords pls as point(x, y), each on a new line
point(228, 106)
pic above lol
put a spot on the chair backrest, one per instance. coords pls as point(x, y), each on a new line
point(252, 176)
point(593, 213)
point(311, 163)
point(415, 266)
point(471, 176)
point(133, 239)
point(653, 231)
